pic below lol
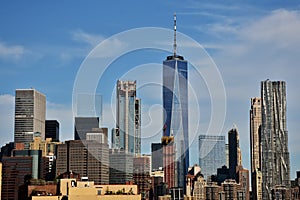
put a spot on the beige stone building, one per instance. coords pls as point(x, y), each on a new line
point(87, 190)
point(47, 146)
point(255, 148)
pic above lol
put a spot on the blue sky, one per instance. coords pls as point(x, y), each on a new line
point(43, 43)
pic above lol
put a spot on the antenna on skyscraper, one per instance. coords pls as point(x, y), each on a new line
point(174, 45)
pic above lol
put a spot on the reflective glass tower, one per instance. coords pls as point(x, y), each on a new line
point(211, 153)
point(175, 104)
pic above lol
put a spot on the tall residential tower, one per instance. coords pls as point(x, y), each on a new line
point(255, 148)
point(30, 114)
point(274, 137)
point(127, 135)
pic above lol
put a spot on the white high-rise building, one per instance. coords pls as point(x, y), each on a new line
point(30, 114)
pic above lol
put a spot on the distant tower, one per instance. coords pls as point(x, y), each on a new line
point(52, 130)
point(234, 152)
point(83, 125)
point(88, 114)
point(175, 104)
point(30, 114)
point(274, 137)
point(255, 123)
point(211, 154)
point(128, 132)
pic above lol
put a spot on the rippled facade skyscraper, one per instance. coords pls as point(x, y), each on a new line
point(274, 137)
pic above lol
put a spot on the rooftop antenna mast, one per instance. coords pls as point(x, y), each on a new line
point(174, 45)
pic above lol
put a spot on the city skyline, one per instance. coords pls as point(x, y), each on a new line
point(19, 55)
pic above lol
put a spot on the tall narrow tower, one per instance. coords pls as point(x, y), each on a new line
point(274, 137)
point(128, 118)
point(234, 152)
point(255, 146)
point(30, 114)
point(175, 104)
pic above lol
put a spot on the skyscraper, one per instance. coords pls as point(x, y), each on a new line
point(127, 135)
point(52, 130)
point(211, 154)
point(234, 152)
point(156, 156)
point(274, 137)
point(30, 113)
point(255, 147)
point(175, 104)
point(120, 167)
point(83, 125)
point(89, 158)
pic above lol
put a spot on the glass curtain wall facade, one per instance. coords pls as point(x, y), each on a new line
point(83, 125)
point(175, 104)
point(211, 154)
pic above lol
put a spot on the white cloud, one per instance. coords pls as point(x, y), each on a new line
point(109, 46)
point(13, 52)
point(281, 28)
point(91, 39)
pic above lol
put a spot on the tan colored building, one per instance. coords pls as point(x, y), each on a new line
point(47, 146)
point(243, 181)
point(165, 197)
point(255, 148)
point(212, 191)
point(195, 184)
point(230, 189)
point(83, 190)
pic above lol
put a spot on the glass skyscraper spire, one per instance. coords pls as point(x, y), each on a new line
point(175, 104)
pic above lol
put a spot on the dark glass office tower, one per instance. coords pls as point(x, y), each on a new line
point(175, 103)
point(233, 140)
point(83, 125)
point(52, 130)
